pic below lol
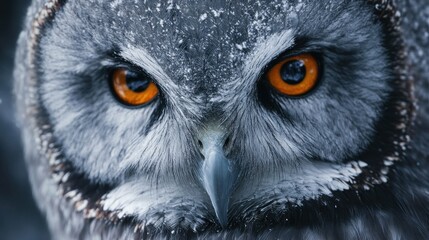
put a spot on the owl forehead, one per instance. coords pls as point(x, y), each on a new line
point(196, 41)
point(206, 39)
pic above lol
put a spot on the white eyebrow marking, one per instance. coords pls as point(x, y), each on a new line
point(264, 52)
point(143, 59)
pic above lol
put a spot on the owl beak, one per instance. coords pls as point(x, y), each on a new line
point(218, 174)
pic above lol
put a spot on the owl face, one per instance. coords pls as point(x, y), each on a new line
point(227, 130)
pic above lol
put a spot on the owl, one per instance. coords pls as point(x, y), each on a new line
point(270, 119)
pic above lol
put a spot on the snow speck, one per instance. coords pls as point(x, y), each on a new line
point(115, 3)
point(203, 17)
point(241, 46)
point(217, 13)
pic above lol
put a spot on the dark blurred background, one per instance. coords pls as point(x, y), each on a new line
point(19, 216)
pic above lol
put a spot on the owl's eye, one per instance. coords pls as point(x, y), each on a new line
point(294, 76)
point(131, 88)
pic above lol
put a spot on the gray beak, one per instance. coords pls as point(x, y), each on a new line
point(218, 174)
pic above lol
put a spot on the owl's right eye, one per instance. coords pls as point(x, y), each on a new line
point(132, 88)
point(295, 76)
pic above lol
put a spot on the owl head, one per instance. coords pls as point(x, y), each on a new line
point(164, 117)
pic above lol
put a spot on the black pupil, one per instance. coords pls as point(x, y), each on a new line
point(137, 82)
point(293, 72)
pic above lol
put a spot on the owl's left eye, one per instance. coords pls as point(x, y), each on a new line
point(132, 88)
point(294, 76)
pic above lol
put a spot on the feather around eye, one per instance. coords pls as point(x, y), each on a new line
point(294, 76)
point(131, 88)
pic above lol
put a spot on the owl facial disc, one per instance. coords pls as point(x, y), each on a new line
point(306, 118)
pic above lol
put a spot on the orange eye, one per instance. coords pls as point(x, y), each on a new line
point(294, 76)
point(132, 88)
